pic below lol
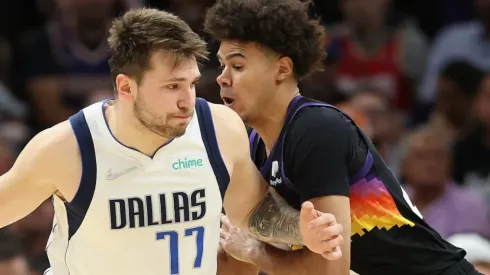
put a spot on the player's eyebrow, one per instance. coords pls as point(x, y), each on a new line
point(181, 79)
point(231, 55)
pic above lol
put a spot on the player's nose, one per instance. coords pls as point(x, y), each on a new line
point(224, 79)
point(187, 99)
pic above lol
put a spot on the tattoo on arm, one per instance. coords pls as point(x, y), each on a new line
point(274, 221)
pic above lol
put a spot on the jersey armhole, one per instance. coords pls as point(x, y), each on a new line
point(78, 207)
point(208, 135)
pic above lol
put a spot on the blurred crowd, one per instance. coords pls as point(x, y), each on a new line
point(415, 75)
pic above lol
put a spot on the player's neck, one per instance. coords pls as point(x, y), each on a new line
point(271, 120)
point(130, 132)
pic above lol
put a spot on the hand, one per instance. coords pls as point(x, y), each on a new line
point(236, 242)
point(320, 231)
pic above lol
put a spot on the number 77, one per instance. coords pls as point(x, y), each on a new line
point(174, 246)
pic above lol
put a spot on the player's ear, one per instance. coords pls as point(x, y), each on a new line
point(123, 85)
point(285, 65)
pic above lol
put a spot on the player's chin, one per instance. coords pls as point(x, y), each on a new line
point(173, 131)
point(238, 110)
point(179, 130)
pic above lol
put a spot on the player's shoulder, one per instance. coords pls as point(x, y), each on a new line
point(231, 134)
point(57, 138)
point(56, 145)
point(50, 157)
point(226, 120)
point(319, 127)
point(321, 118)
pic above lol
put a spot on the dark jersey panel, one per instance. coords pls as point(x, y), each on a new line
point(321, 152)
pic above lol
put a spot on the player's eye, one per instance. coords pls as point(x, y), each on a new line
point(194, 84)
point(237, 68)
point(172, 86)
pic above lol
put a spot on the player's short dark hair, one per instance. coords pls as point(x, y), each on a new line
point(10, 246)
point(281, 25)
point(465, 76)
point(134, 36)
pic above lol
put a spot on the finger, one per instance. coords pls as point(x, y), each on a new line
point(315, 213)
point(334, 242)
point(307, 206)
point(331, 245)
point(307, 212)
point(333, 255)
point(224, 234)
point(323, 219)
point(225, 222)
point(328, 232)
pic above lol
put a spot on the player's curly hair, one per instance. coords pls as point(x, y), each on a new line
point(281, 25)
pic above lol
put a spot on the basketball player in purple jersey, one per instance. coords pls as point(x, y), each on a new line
point(308, 150)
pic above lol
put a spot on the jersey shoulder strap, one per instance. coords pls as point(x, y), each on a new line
point(208, 135)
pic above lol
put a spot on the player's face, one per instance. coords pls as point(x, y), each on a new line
point(165, 97)
point(247, 79)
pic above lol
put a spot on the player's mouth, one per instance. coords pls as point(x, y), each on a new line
point(182, 116)
point(228, 101)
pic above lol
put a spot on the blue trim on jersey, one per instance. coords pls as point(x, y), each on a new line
point(77, 208)
point(211, 143)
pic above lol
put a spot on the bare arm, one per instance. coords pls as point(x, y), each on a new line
point(279, 262)
point(248, 202)
point(274, 221)
point(36, 174)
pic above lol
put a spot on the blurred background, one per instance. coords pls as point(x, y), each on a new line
point(414, 74)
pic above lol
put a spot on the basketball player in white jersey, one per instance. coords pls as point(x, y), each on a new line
point(137, 182)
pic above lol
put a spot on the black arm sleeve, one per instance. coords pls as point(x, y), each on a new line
point(318, 148)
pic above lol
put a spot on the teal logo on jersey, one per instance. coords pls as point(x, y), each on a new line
point(183, 164)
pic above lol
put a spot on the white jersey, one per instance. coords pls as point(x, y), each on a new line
point(135, 214)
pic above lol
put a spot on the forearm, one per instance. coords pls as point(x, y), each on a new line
point(274, 221)
point(275, 261)
point(15, 202)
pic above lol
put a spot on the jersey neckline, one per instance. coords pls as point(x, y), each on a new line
point(107, 133)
